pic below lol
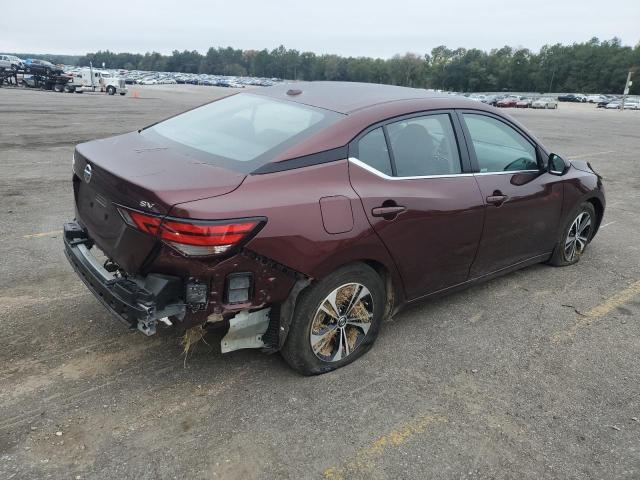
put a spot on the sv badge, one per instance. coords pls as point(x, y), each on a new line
point(145, 204)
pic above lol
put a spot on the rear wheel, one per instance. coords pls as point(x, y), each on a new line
point(575, 236)
point(111, 90)
point(336, 320)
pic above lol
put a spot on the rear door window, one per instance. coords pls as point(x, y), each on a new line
point(424, 146)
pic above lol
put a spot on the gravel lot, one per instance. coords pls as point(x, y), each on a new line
point(535, 375)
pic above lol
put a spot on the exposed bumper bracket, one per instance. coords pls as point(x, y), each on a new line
point(246, 330)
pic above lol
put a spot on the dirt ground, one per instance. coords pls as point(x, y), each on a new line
point(535, 375)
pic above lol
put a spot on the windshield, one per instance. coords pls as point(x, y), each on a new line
point(242, 131)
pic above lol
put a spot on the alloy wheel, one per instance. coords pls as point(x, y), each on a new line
point(577, 237)
point(341, 322)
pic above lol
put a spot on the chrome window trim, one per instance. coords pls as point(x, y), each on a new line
point(508, 172)
point(370, 169)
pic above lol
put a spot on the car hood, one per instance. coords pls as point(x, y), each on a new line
point(583, 166)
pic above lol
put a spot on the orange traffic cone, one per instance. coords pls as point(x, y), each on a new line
point(135, 94)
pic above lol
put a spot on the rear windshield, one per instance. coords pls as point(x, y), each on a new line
point(242, 132)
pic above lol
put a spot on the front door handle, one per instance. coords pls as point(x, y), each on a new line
point(497, 200)
point(388, 212)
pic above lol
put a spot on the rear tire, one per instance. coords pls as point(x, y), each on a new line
point(111, 90)
point(320, 339)
point(575, 236)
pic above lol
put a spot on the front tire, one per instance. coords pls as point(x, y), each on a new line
point(575, 237)
point(111, 90)
point(336, 320)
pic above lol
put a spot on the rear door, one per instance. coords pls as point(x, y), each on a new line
point(523, 202)
point(420, 197)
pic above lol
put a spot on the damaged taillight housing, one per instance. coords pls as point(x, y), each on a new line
point(196, 238)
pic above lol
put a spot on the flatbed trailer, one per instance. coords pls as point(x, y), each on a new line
point(25, 77)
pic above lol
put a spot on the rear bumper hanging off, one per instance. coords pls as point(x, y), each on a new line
point(138, 302)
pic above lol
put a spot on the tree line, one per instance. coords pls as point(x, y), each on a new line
point(592, 66)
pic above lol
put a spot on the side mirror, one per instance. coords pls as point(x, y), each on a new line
point(556, 165)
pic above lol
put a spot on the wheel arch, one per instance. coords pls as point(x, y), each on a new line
point(392, 285)
point(598, 206)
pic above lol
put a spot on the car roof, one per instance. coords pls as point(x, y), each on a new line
point(344, 97)
point(363, 104)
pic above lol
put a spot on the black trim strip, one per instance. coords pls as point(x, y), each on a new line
point(390, 154)
point(326, 156)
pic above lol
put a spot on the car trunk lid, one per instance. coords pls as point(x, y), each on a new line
point(133, 172)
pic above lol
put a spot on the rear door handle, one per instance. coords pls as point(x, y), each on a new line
point(497, 200)
point(387, 211)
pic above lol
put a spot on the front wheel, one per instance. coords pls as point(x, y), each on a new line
point(336, 320)
point(111, 90)
point(575, 237)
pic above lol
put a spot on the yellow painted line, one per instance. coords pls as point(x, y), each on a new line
point(43, 234)
point(599, 311)
point(364, 460)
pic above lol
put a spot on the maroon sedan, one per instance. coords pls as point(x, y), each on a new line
point(509, 102)
point(298, 217)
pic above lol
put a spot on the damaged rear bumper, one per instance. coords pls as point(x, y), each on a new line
point(138, 302)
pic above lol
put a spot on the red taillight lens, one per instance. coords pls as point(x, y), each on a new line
point(145, 223)
point(194, 237)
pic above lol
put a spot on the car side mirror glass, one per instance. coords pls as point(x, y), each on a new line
point(556, 165)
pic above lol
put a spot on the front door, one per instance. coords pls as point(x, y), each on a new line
point(523, 202)
point(426, 209)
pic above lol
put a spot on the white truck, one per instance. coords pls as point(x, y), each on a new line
point(95, 80)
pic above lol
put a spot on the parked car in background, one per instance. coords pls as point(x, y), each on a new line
point(628, 105)
point(544, 102)
point(572, 97)
point(491, 99)
point(596, 98)
point(11, 62)
point(299, 217)
point(524, 103)
point(478, 98)
point(510, 101)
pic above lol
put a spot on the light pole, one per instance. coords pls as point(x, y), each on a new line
point(626, 90)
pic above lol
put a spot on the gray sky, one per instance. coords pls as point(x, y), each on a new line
point(379, 28)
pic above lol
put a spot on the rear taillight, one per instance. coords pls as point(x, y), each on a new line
point(195, 237)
